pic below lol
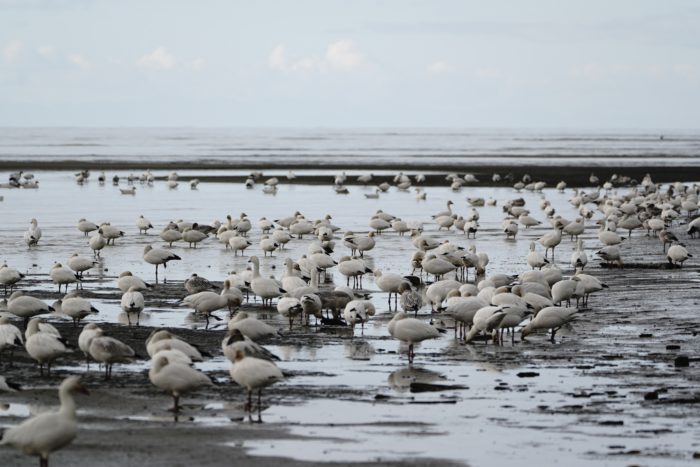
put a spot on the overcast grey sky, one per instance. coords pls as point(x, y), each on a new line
point(391, 63)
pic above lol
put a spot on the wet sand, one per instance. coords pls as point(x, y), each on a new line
point(575, 174)
point(607, 392)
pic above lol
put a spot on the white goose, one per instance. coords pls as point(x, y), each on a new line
point(265, 288)
point(89, 331)
point(176, 379)
point(26, 306)
point(677, 254)
point(33, 234)
point(143, 224)
point(411, 331)
point(80, 264)
point(132, 302)
point(206, 303)
point(49, 431)
point(536, 259)
point(97, 242)
point(389, 282)
point(553, 317)
point(251, 327)
point(158, 256)
point(550, 240)
point(254, 373)
point(127, 280)
point(353, 268)
point(75, 307)
point(165, 340)
point(61, 275)
point(10, 337)
point(44, 347)
point(9, 277)
point(86, 226)
point(579, 259)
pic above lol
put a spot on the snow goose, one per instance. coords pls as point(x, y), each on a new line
point(389, 282)
point(233, 295)
point(251, 327)
point(312, 304)
point(177, 379)
point(61, 275)
point(206, 303)
point(75, 307)
point(26, 306)
point(127, 280)
point(108, 351)
point(448, 212)
point(462, 310)
point(536, 259)
point(158, 256)
point(591, 284)
point(265, 288)
point(235, 341)
point(281, 237)
point(132, 302)
point(9, 277)
point(677, 254)
point(579, 259)
point(486, 320)
point(97, 242)
point(553, 317)
point(86, 226)
point(162, 339)
point(437, 266)
point(254, 374)
point(44, 347)
point(550, 240)
point(379, 224)
point(353, 268)
point(80, 264)
point(528, 221)
point(33, 234)
point(574, 229)
point(89, 331)
point(110, 233)
point(143, 224)
point(610, 254)
point(48, 431)
point(667, 238)
point(360, 244)
point(193, 235)
point(290, 308)
point(608, 237)
point(563, 290)
point(170, 235)
point(10, 337)
point(411, 331)
point(268, 245)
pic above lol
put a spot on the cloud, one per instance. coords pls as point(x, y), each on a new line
point(439, 68)
point(159, 58)
point(197, 64)
point(45, 50)
point(11, 51)
point(79, 61)
point(487, 72)
point(341, 56)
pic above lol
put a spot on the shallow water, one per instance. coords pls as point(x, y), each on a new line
point(359, 405)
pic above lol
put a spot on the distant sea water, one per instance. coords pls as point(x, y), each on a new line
point(381, 147)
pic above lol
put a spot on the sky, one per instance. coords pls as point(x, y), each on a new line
point(326, 63)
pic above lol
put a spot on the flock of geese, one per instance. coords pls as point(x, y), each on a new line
point(487, 307)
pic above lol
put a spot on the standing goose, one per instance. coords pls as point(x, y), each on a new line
point(61, 275)
point(579, 259)
point(536, 259)
point(10, 338)
point(86, 226)
point(552, 317)
point(132, 302)
point(389, 282)
point(97, 242)
point(44, 347)
point(75, 307)
point(176, 379)
point(33, 234)
point(265, 288)
point(108, 351)
point(25, 306)
point(254, 373)
point(110, 233)
point(251, 327)
point(48, 431)
point(411, 300)
point(677, 254)
point(353, 268)
point(143, 224)
point(158, 256)
point(411, 331)
point(89, 331)
point(9, 277)
point(290, 308)
point(80, 264)
point(170, 235)
point(193, 236)
point(127, 280)
point(206, 303)
point(550, 241)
